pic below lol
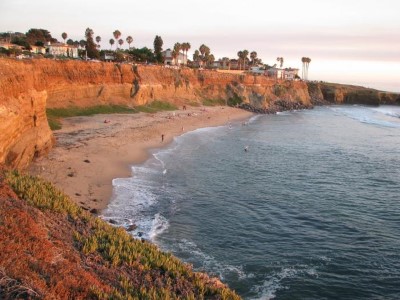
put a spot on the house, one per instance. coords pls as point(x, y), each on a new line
point(257, 70)
point(38, 50)
point(278, 73)
point(291, 73)
point(60, 49)
point(181, 59)
point(9, 46)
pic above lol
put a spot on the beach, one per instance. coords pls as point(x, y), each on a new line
point(91, 151)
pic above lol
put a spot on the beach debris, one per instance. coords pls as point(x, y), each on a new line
point(77, 194)
point(86, 161)
point(71, 174)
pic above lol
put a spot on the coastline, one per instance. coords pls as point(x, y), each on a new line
point(90, 153)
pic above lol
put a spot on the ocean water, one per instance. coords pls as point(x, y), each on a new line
point(310, 211)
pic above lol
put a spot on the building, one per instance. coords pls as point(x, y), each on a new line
point(181, 59)
point(286, 74)
point(60, 49)
point(38, 50)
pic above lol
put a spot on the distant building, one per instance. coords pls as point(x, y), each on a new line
point(8, 46)
point(60, 49)
point(278, 73)
point(38, 50)
point(181, 59)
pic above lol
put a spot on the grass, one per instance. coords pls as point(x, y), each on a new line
point(156, 106)
point(214, 102)
point(144, 271)
point(55, 114)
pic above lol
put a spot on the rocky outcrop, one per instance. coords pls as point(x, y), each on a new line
point(333, 93)
point(27, 88)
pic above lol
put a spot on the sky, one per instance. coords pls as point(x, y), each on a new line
point(348, 41)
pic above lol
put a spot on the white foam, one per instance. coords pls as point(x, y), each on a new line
point(210, 263)
point(268, 289)
point(158, 226)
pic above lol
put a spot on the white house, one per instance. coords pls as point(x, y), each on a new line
point(181, 59)
point(60, 49)
point(278, 73)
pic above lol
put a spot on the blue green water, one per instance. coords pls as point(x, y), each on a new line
point(310, 211)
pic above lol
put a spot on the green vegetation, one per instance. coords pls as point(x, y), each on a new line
point(42, 194)
point(142, 271)
point(55, 114)
point(156, 106)
point(235, 100)
point(214, 102)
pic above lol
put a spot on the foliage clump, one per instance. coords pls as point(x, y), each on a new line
point(120, 266)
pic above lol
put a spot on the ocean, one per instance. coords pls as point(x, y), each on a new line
point(310, 211)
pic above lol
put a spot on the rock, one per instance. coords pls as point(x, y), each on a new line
point(94, 211)
point(131, 227)
point(111, 221)
point(87, 161)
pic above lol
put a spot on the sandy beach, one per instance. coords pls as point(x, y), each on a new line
point(91, 151)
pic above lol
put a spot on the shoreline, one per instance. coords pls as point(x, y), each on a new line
point(90, 153)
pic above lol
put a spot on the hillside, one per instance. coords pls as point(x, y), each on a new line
point(52, 249)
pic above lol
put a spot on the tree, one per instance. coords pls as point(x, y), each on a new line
point(245, 58)
point(42, 35)
point(129, 40)
point(143, 55)
point(176, 51)
point(91, 49)
point(280, 60)
point(204, 53)
point(111, 42)
point(98, 40)
point(196, 56)
point(158, 43)
point(306, 62)
point(82, 43)
point(240, 56)
point(117, 34)
point(185, 47)
point(120, 42)
point(64, 35)
point(253, 56)
point(70, 42)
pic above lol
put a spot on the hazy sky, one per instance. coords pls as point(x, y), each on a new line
point(348, 41)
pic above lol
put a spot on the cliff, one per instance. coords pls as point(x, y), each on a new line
point(27, 88)
point(334, 93)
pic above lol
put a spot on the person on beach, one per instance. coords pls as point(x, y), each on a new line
point(162, 138)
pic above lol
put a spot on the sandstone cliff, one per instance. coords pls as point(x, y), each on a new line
point(27, 88)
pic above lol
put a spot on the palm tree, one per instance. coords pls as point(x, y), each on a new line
point(253, 56)
point(98, 40)
point(112, 41)
point(116, 34)
point(303, 60)
point(185, 47)
point(245, 58)
point(64, 35)
point(129, 40)
point(280, 60)
point(120, 42)
point(308, 60)
point(196, 56)
point(177, 48)
point(240, 55)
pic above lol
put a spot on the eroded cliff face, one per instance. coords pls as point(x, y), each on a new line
point(27, 88)
point(348, 94)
